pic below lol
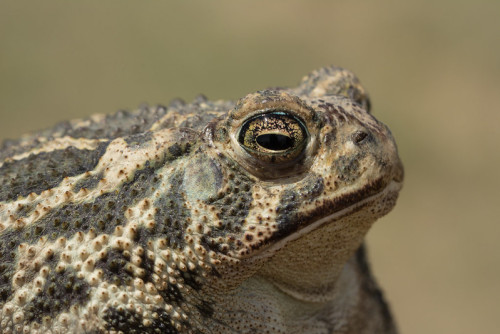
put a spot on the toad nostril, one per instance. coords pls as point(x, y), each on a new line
point(359, 136)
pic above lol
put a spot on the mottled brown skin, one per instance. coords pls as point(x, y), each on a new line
point(208, 217)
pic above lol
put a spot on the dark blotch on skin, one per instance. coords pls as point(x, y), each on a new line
point(171, 215)
point(39, 172)
point(291, 199)
point(114, 268)
point(60, 291)
point(142, 237)
point(288, 215)
point(171, 295)
point(138, 140)
point(118, 269)
point(175, 150)
point(189, 277)
point(88, 183)
point(9, 240)
point(233, 206)
point(347, 168)
point(131, 322)
point(206, 310)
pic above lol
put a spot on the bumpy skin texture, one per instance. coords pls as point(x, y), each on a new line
point(208, 217)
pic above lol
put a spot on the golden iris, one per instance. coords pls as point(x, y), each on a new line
point(273, 136)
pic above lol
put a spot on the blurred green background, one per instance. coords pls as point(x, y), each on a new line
point(432, 69)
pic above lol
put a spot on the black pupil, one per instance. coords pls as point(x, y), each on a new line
point(275, 142)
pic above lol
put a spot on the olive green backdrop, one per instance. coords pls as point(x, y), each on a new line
point(432, 68)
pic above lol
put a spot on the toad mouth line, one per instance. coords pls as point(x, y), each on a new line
point(393, 187)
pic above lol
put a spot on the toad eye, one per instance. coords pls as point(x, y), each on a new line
point(275, 136)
